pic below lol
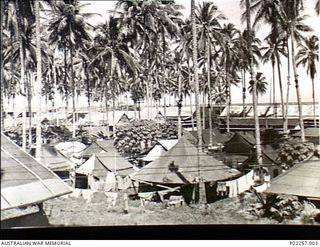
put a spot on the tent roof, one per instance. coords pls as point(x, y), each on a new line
point(25, 181)
point(168, 144)
point(54, 160)
point(216, 136)
point(184, 157)
point(97, 147)
point(301, 180)
point(114, 161)
point(99, 164)
point(154, 153)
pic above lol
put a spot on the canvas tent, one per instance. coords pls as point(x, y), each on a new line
point(301, 180)
point(182, 165)
point(97, 147)
point(103, 167)
point(25, 181)
point(55, 161)
point(159, 149)
point(217, 137)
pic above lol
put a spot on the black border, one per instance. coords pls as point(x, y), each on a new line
point(168, 232)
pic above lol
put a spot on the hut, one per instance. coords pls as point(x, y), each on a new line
point(183, 166)
point(25, 185)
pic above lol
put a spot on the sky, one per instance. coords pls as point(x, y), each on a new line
point(231, 9)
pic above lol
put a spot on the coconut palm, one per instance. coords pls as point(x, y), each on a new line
point(208, 17)
point(254, 87)
point(273, 50)
point(261, 84)
point(68, 28)
point(308, 55)
point(202, 195)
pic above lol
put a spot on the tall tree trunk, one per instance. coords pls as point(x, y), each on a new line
point(190, 83)
point(204, 109)
point(2, 71)
point(285, 130)
point(314, 104)
point(244, 93)
point(22, 71)
point(164, 74)
point(179, 103)
point(228, 104)
point(254, 91)
point(202, 193)
point(38, 84)
point(208, 46)
point(72, 86)
point(65, 82)
point(296, 80)
point(30, 78)
point(285, 114)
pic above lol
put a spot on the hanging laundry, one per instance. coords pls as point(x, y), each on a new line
point(241, 184)
point(222, 188)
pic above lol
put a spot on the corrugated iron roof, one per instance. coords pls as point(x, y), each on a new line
point(300, 180)
point(24, 180)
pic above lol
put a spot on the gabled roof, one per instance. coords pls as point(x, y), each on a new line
point(300, 180)
point(97, 147)
point(217, 137)
point(182, 165)
point(25, 181)
point(100, 164)
point(54, 160)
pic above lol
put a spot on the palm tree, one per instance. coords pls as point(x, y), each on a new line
point(273, 50)
point(261, 84)
point(69, 29)
point(307, 56)
point(208, 17)
point(202, 195)
point(254, 88)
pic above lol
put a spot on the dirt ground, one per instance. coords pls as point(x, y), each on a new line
point(71, 211)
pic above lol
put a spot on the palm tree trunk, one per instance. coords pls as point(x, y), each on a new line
point(22, 72)
point(254, 92)
point(179, 105)
point(29, 99)
point(285, 130)
point(202, 193)
point(2, 72)
point(65, 82)
point(204, 109)
point(296, 80)
point(164, 74)
point(72, 86)
point(228, 103)
point(314, 104)
point(189, 80)
point(39, 79)
point(244, 93)
point(209, 92)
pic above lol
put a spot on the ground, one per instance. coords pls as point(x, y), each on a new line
point(71, 211)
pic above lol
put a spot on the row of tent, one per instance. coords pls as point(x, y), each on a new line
point(25, 181)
